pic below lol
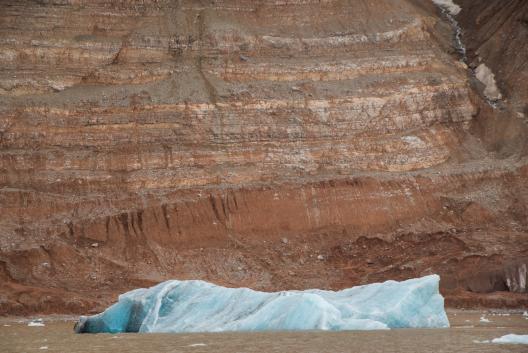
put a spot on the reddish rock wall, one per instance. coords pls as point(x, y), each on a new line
point(274, 145)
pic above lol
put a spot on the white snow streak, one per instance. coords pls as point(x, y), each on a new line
point(449, 5)
point(486, 76)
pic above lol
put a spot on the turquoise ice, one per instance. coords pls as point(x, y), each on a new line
point(198, 306)
point(511, 339)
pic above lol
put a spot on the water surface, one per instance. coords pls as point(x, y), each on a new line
point(57, 336)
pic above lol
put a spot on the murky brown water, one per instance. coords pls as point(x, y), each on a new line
point(58, 336)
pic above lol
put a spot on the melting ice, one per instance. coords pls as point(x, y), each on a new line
point(198, 306)
point(511, 339)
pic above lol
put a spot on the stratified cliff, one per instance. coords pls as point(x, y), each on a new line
point(271, 144)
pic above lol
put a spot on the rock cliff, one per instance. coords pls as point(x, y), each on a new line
point(270, 144)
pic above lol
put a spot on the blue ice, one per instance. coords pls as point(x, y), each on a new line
point(511, 339)
point(198, 306)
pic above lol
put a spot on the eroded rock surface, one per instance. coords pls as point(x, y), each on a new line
point(148, 140)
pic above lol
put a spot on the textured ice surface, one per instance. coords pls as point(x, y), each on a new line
point(512, 339)
point(197, 306)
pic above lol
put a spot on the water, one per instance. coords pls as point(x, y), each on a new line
point(457, 40)
point(58, 336)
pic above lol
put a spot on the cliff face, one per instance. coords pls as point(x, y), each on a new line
point(276, 145)
point(495, 34)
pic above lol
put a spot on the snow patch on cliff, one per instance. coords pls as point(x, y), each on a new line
point(449, 5)
point(486, 76)
point(414, 141)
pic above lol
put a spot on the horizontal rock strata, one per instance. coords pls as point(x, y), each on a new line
point(147, 140)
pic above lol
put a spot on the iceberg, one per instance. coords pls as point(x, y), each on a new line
point(511, 339)
point(198, 306)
